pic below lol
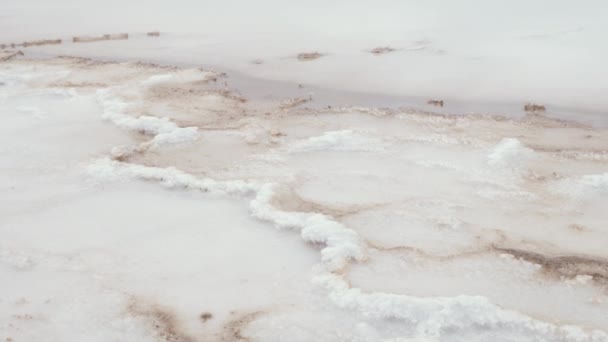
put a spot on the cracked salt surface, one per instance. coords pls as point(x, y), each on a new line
point(124, 224)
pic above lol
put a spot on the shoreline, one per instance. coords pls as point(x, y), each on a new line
point(264, 89)
point(181, 51)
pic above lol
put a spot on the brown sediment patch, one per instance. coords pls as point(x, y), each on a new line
point(588, 152)
point(162, 320)
point(26, 317)
point(196, 105)
point(578, 228)
point(77, 61)
point(534, 108)
point(309, 56)
point(9, 55)
point(276, 133)
point(287, 200)
point(535, 177)
point(41, 42)
point(533, 121)
point(539, 120)
point(153, 34)
point(377, 112)
point(230, 95)
point(32, 43)
point(166, 91)
point(556, 267)
point(480, 250)
point(90, 39)
point(380, 50)
point(436, 103)
point(150, 65)
point(205, 316)
point(183, 91)
point(294, 102)
point(564, 266)
point(126, 153)
point(123, 158)
point(233, 330)
point(590, 155)
point(481, 246)
point(213, 76)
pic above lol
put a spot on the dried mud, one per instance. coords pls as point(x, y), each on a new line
point(163, 321)
point(309, 56)
point(233, 330)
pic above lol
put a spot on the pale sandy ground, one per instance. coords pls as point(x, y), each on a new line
point(147, 203)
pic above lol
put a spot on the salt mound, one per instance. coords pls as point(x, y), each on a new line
point(510, 153)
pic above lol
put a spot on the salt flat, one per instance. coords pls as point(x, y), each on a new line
point(204, 197)
point(146, 199)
